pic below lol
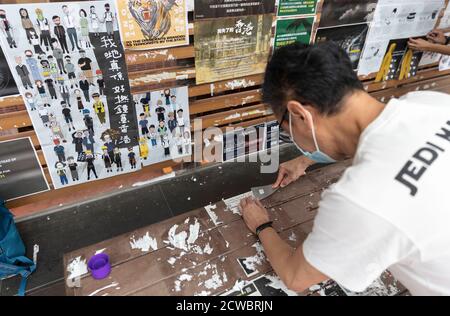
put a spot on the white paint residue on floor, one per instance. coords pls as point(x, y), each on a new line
point(77, 267)
point(114, 284)
point(208, 250)
point(172, 261)
point(182, 240)
point(182, 278)
point(144, 243)
point(216, 279)
point(209, 209)
point(293, 237)
point(278, 284)
point(203, 293)
point(252, 262)
point(193, 232)
point(177, 240)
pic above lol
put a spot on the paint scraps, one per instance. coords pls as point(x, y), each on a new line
point(278, 284)
point(215, 219)
point(100, 251)
point(114, 284)
point(293, 237)
point(76, 268)
point(233, 202)
point(181, 240)
point(250, 264)
point(239, 83)
point(172, 260)
point(144, 243)
point(182, 278)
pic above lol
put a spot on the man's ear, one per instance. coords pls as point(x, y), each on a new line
point(300, 112)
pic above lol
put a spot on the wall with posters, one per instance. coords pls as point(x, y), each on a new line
point(153, 24)
point(21, 173)
point(164, 125)
point(397, 20)
point(346, 22)
point(70, 67)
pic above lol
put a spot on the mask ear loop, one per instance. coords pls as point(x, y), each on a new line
point(314, 137)
point(292, 136)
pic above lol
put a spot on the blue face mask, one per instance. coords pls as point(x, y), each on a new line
point(317, 155)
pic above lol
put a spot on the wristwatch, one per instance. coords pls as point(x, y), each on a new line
point(447, 40)
point(260, 228)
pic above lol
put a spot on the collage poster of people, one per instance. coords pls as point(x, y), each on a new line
point(152, 24)
point(69, 64)
point(164, 125)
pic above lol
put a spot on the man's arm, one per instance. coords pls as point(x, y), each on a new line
point(288, 263)
point(426, 46)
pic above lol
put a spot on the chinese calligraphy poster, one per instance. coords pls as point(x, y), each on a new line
point(207, 9)
point(231, 47)
point(294, 30)
point(164, 125)
point(69, 64)
point(296, 7)
point(152, 24)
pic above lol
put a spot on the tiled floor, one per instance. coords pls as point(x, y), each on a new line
point(198, 253)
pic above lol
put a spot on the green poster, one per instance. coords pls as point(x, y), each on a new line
point(296, 30)
point(296, 7)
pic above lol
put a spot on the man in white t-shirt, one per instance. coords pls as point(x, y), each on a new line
point(391, 208)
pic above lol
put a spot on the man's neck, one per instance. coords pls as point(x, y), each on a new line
point(359, 111)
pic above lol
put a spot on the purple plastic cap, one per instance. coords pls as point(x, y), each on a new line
point(99, 266)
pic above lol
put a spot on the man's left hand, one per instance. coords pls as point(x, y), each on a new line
point(420, 44)
point(254, 213)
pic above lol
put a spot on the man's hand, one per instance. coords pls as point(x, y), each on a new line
point(254, 213)
point(291, 170)
point(420, 44)
point(437, 36)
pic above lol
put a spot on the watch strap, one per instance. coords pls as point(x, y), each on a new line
point(260, 228)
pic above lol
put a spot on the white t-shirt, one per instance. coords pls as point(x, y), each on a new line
point(391, 208)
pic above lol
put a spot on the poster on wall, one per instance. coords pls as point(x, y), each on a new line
point(398, 20)
point(241, 142)
point(209, 9)
point(296, 7)
point(21, 173)
point(70, 68)
point(8, 86)
point(399, 61)
point(153, 24)
point(231, 47)
point(164, 125)
point(350, 37)
point(342, 12)
point(294, 30)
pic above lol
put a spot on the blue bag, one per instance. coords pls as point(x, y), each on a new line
point(12, 250)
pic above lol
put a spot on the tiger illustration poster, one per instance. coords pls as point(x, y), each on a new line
point(153, 24)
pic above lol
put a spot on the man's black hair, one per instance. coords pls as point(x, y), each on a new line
point(319, 75)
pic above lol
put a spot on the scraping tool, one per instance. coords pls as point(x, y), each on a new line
point(263, 192)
